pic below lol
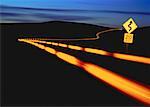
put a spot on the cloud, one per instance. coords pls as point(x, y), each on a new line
point(97, 17)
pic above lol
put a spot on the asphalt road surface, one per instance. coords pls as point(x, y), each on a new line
point(36, 77)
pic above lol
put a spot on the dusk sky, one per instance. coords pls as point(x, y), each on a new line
point(111, 13)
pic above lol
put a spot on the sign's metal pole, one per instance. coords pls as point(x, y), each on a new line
point(127, 47)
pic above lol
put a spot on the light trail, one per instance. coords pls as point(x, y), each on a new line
point(133, 58)
point(97, 51)
point(95, 38)
point(129, 87)
point(63, 45)
point(55, 44)
point(75, 47)
point(125, 85)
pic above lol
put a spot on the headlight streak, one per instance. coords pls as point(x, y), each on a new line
point(127, 57)
point(131, 88)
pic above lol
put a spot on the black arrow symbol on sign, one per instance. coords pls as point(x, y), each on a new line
point(130, 25)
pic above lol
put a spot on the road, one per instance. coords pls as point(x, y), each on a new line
point(125, 85)
point(98, 34)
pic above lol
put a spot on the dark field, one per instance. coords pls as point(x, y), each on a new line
point(31, 76)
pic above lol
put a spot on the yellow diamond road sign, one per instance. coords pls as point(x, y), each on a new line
point(128, 38)
point(130, 25)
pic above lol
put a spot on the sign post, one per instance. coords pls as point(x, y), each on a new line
point(129, 26)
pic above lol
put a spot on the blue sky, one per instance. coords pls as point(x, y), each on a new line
point(129, 5)
point(100, 12)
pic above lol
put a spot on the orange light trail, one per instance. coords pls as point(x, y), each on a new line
point(62, 45)
point(55, 44)
point(131, 88)
point(75, 47)
point(94, 38)
point(133, 58)
point(96, 51)
point(68, 58)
